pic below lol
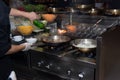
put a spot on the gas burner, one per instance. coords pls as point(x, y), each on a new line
point(76, 54)
point(89, 55)
point(56, 48)
point(87, 60)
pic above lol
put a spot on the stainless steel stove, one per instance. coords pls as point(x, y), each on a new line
point(68, 63)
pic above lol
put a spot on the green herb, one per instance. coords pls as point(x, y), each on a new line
point(29, 7)
point(39, 8)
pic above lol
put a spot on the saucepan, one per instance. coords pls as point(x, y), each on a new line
point(84, 6)
point(72, 10)
point(84, 45)
point(54, 10)
point(95, 11)
point(55, 40)
point(113, 12)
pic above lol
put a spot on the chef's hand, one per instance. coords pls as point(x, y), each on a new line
point(27, 46)
point(32, 16)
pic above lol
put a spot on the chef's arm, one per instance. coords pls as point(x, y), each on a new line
point(15, 48)
point(29, 15)
point(22, 47)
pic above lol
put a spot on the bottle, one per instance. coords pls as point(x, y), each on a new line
point(39, 24)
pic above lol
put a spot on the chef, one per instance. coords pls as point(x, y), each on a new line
point(6, 48)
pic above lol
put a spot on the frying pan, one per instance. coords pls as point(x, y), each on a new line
point(55, 40)
point(84, 45)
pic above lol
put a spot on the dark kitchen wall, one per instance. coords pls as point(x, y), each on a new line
point(85, 1)
point(112, 4)
point(63, 3)
point(55, 3)
point(7, 2)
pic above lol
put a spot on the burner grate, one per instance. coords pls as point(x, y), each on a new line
point(67, 50)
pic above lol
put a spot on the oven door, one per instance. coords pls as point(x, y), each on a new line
point(63, 67)
point(23, 70)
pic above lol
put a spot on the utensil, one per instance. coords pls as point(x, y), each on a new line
point(55, 40)
point(53, 29)
point(94, 11)
point(113, 12)
point(72, 10)
point(93, 28)
point(71, 19)
point(84, 45)
point(84, 6)
point(53, 10)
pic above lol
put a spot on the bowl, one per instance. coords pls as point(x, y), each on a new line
point(85, 45)
point(25, 29)
point(17, 38)
point(31, 40)
point(49, 17)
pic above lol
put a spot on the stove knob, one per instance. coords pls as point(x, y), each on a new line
point(81, 75)
point(69, 72)
point(48, 66)
point(40, 63)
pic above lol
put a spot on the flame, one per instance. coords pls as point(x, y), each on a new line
point(71, 28)
point(61, 31)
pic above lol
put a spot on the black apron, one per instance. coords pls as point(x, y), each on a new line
point(5, 67)
point(5, 43)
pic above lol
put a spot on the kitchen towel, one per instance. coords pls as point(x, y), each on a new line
point(12, 76)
